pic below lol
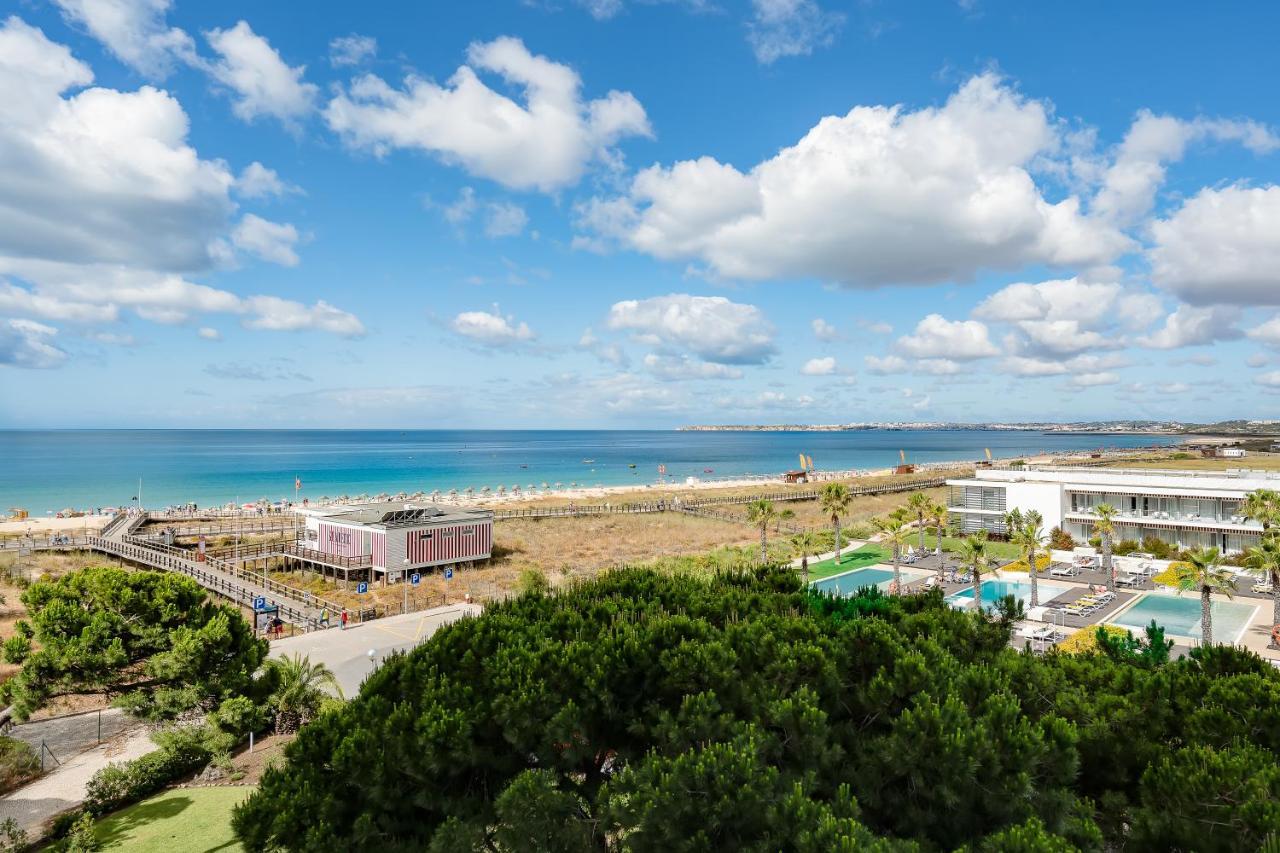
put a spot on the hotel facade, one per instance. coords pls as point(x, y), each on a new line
point(1186, 509)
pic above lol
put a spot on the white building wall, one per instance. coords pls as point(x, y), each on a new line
point(1045, 498)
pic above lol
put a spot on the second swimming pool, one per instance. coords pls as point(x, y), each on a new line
point(847, 583)
point(1179, 615)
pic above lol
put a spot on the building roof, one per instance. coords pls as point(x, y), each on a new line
point(1229, 483)
point(385, 514)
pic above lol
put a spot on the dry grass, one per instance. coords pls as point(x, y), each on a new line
point(810, 514)
point(1255, 461)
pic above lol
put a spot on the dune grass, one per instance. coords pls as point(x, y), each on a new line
point(183, 820)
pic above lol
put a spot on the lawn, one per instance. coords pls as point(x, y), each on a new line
point(184, 820)
point(867, 555)
point(1002, 550)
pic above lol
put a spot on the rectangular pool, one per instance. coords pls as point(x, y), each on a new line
point(847, 583)
point(1179, 615)
point(995, 590)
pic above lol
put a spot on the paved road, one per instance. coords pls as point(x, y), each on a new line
point(71, 735)
point(347, 652)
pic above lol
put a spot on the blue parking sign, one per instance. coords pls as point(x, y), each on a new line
point(415, 578)
point(362, 588)
point(260, 603)
point(448, 574)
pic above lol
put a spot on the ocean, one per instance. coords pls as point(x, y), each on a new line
point(48, 470)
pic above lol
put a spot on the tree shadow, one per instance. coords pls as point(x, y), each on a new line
point(124, 823)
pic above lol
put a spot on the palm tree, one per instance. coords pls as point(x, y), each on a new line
point(836, 500)
point(1202, 569)
point(894, 533)
point(1106, 528)
point(920, 504)
point(1027, 532)
point(762, 513)
point(805, 543)
point(938, 520)
point(1263, 506)
point(299, 690)
point(974, 557)
point(1264, 559)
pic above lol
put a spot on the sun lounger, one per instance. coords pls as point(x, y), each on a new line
point(1063, 571)
point(1262, 588)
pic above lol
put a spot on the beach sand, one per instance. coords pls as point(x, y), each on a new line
point(40, 525)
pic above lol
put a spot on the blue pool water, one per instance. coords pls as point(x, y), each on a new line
point(1180, 615)
point(995, 590)
point(850, 582)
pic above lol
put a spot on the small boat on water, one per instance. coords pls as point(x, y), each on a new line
point(587, 461)
point(632, 465)
point(708, 470)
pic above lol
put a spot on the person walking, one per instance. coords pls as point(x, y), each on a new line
point(344, 618)
point(324, 618)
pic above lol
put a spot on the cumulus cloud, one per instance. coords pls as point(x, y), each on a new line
point(1152, 143)
point(270, 241)
point(544, 143)
point(505, 219)
point(710, 327)
point(284, 315)
point(134, 31)
point(1268, 332)
point(263, 84)
point(819, 366)
point(1221, 247)
point(1090, 364)
point(885, 365)
point(937, 337)
point(677, 368)
point(1191, 326)
point(780, 28)
point(610, 353)
point(25, 343)
point(15, 300)
point(492, 328)
point(1088, 303)
point(256, 181)
point(824, 331)
point(209, 333)
point(1270, 380)
point(878, 196)
point(352, 50)
point(1093, 380)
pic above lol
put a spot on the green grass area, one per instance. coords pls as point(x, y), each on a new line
point(1003, 550)
point(184, 820)
point(867, 555)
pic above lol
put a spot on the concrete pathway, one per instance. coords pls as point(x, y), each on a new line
point(347, 652)
point(63, 788)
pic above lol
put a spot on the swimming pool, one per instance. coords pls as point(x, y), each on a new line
point(995, 590)
point(1179, 615)
point(847, 583)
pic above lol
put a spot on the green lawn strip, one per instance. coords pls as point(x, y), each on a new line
point(182, 820)
point(867, 555)
point(1003, 550)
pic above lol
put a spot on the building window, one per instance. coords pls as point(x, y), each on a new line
point(426, 535)
point(470, 531)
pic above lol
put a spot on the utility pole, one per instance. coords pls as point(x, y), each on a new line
point(404, 581)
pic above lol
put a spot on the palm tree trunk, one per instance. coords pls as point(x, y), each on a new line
point(804, 569)
point(977, 588)
point(937, 552)
point(897, 571)
point(1107, 565)
point(920, 524)
point(1275, 599)
point(836, 520)
point(1206, 618)
point(764, 543)
point(1035, 587)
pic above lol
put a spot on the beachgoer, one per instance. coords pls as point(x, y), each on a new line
point(344, 618)
point(324, 618)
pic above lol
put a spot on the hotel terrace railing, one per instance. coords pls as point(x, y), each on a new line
point(1243, 523)
point(1229, 473)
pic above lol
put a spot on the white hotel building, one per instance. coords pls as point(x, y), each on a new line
point(1184, 508)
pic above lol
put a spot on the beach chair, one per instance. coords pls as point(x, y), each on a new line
point(1062, 570)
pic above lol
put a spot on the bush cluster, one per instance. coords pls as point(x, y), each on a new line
point(19, 764)
point(182, 751)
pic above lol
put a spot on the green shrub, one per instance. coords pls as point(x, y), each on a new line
point(1157, 547)
point(239, 715)
point(1125, 547)
point(533, 581)
point(1060, 540)
point(19, 763)
point(80, 837)
point(16, 649)
point(183, 750)
point(12, 836)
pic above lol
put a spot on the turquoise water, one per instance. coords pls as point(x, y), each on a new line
point(996, 590)
point(1180, 615)
point(850, 582)
point(48, 470)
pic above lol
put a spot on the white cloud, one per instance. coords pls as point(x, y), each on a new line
point(283, 315)
point(1093, 380)
point(257, 181)
point(505, 220)
point(352, 50)
point(711, 327)
point(15, 300)
point(1153, 141)
point(780, 28)
point(1087, 303)
point(1268, 333)
point(461, 210)
point(676, 368)
point(937, 337)
point(492, 328)
point(264, 85)
point(1173, 388)
point(209, 333)
point(1271, 380)
point(1221, 247)
point(270, 241)
point(610, 353)
point(921, 404)
point(1258, 359)
point(1095, 364)
point(880, 195)
point(883, 366)
point(134, 30)
point(824, 331)
point(1188, 326)
point(819, 366)
point(24, 343)
point(545, 143)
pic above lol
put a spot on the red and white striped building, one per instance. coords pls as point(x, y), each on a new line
point(396, 537)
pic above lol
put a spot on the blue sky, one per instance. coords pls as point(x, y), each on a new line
point(631, 213)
